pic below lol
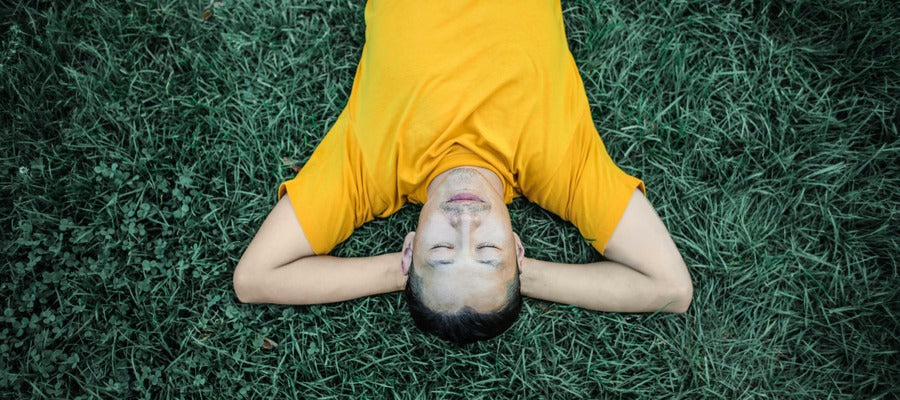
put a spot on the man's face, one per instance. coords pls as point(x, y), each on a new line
point(464, 249)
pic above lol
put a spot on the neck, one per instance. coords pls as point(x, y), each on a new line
point(443, 183)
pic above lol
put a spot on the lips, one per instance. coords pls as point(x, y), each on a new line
point(465, 197)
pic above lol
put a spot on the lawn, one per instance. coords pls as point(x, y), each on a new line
point(143, 142)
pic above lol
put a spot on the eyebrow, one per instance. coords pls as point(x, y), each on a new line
point(435, 263)
point(493, 263)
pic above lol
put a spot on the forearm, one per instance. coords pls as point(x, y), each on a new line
point(323, 279)
point(602, 286)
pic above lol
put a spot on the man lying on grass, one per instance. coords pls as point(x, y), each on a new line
point(462, 106)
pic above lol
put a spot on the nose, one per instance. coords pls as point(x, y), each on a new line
point(463, 218)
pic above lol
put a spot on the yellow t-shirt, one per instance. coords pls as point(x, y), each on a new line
point(442, 84)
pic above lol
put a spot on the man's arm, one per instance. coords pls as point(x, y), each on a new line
point(280, 267)
point(645, 273)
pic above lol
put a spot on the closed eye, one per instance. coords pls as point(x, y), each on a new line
point(487, 246)
point(442, 246)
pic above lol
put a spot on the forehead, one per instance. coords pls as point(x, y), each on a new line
point(451, 289)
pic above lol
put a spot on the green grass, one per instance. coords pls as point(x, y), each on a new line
point(142, 145)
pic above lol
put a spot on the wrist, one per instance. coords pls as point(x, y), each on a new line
point(394, 272)
point(528, 276)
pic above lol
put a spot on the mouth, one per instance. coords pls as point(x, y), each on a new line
point(465, 197)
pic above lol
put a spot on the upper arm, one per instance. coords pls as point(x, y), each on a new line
point(642, 242)
point(279, 241)
point(280, 266)
point(645, 272)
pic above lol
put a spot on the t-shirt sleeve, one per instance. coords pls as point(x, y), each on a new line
point(588, 189)
point(329, 194)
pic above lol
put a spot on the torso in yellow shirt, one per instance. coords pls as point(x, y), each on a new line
point(442, 84)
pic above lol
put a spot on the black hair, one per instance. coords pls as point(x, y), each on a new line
point(466, 325)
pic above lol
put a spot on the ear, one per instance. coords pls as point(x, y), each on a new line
point(406, 253)
point(520, 251)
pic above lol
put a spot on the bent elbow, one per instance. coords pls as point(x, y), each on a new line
point(680, 288)
point(243, 285)
point(682, 295)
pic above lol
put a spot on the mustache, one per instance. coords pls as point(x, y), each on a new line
point(460, 207)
